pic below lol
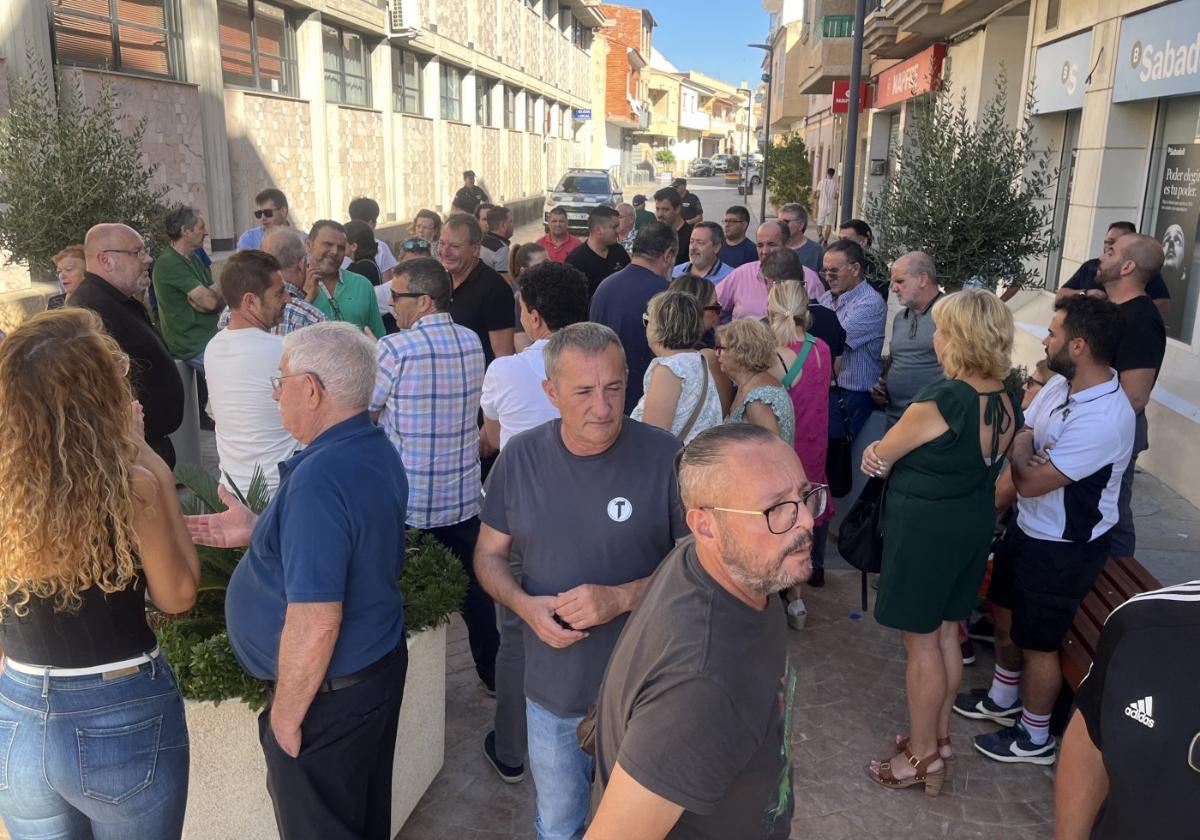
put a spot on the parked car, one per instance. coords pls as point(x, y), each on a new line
point(701, 168)
point(720, 163)
point(752, 174)
point(579, 191)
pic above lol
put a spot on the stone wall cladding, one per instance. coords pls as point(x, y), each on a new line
point(452, 20)
point(532, 57)
point(173, 139)
point(456, 158)
point(486, 27)
point(510, 32)
point(416, 165)
point(550, 57)
point(360, 158)
point(490, 164)
point(513, 157)
point(535, 166)
point(269, 146)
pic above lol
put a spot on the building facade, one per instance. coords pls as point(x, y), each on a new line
point(629, 33)
point(331, 99)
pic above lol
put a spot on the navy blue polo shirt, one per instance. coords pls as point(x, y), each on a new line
point(333, 532)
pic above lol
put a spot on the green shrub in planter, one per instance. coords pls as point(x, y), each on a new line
point(197, 646)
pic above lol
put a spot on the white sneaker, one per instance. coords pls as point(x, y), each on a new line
point(797, 614)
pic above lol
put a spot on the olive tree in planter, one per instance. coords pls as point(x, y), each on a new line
point(66, 168)
point(974, 194)
point(228, 795)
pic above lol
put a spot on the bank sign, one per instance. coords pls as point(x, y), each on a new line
point(1159, 53)
point(1060, 71)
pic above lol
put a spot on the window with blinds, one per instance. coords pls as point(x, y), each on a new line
point(347, 66)
point(257, 46)
point(407, 67)
point(130, 36)
point(451, 92)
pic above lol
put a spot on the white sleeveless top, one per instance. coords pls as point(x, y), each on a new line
point(688, 368)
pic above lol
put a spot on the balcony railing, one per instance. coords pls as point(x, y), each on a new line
point(836, 26)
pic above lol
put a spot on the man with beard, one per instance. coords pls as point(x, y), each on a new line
point(691, 725)
point(341, 295)
point(1125, 272)
point(1067, 465)
point(1085, 280)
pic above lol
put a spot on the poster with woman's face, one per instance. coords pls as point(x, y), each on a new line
point(1178, 226)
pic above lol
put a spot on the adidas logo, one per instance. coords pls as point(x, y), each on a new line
point(1142, 711)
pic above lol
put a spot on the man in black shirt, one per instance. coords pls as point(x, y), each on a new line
point(481, 300)
point(1125, 271)
point(469, 196)
point(667, 207)
point(600, 255)
point(1130, 759)
point(1084, 280)
point(689, 203)
point(117, 270)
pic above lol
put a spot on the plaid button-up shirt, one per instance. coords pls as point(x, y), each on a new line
point(297, 313)
point(427, 388)
point(863, 314)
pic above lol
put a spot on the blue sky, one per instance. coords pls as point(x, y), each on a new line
point(711, 37)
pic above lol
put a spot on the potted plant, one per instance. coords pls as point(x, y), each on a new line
point(228, 795)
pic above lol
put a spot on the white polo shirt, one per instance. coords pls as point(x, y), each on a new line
point(1089, 438)
point(513, 393)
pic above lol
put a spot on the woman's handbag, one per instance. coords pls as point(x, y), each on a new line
point(860, 539)
point(839, 473)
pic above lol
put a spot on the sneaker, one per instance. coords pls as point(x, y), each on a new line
point(968, 652)
point(982, 631)
point(1014, 746)
point(976, 705)
point(507, 773)
point(817, 579)
point(797, 614)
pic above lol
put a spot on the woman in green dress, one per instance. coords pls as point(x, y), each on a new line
point(943, 456)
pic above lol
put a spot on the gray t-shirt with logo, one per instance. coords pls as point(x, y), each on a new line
point(606, 519)
point(914, 364)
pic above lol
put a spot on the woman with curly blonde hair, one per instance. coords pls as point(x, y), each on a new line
point(944, 455)
point(91, 719)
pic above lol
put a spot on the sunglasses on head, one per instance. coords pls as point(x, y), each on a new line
point(265, 213)
point(416, 243)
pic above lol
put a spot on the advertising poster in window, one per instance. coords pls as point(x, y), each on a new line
point(1178, 225)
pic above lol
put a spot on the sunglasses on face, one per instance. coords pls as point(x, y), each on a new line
point(416, 243)
point(398, 296)
point(265, 213)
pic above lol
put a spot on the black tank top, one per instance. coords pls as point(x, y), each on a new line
point(106, 628)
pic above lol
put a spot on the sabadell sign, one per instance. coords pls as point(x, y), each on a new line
point(1159, 53)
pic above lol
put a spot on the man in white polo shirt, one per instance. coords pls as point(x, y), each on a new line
point(1067, 465)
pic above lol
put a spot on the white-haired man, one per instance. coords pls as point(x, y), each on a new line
point(314, 606)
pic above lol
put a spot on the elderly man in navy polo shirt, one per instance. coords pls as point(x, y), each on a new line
point(314, 606)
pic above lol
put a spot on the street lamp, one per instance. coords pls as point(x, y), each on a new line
point(766, 77)
point(746, 149)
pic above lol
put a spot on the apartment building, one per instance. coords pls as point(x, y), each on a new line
point(629, 33)
point(330, 99)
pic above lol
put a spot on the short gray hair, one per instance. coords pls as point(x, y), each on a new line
point(181, 218)
point(918, 262)
point(285, 245)
point(340, 355)
point(587, 337)
point(801, 213)
point(700, 465)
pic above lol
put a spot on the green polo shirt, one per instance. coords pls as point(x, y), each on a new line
point(185, 329)
point(353, 302)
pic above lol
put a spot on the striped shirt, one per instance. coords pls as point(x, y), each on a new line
point(863, 315)
point(297, 313)
point(427, 388)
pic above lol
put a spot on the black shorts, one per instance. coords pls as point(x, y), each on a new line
point(1043, 583)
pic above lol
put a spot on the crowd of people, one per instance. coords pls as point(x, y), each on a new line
point(628, 441)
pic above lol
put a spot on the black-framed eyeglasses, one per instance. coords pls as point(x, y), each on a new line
point(401, 295)
point(713, 307)
point(277, 381)
point(1037, 382)
point(265, 213)
point(782, 517)
point(133, 252)
point(416, 243)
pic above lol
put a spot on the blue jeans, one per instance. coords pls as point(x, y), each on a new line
point(562, 774)
point(82, 757)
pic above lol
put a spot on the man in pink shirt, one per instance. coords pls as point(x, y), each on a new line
point(559, 241)
point(743, 293)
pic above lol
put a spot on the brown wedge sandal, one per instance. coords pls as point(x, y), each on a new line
point(931, 779)
point(948, 761)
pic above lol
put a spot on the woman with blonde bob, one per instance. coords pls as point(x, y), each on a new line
point(943, 457)
point(746, 349)
point(91, 719)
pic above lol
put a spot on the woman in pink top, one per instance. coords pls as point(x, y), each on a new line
point(743, 292)
point(805, 367)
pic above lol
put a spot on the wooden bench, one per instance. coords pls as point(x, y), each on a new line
point(1122, 578)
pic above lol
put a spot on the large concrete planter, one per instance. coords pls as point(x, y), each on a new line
point(227, 794)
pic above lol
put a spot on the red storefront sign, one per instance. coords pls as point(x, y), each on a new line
point(841, 97)
point(920, 74)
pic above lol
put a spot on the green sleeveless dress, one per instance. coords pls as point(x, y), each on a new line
point(939, 513)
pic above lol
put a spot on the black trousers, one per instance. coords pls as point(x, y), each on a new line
point(340, 786)
point(479, 610)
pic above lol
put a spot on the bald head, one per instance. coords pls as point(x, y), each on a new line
point(117, 253)
point(1144, 252)
point(286, 246)
point(770, 237)
point(914, 280)
point(1127, 267)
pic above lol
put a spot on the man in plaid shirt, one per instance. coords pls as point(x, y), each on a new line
point(286, 246)
point(427, 400)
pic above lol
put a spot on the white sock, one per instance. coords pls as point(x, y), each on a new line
point(1006, 687)
point(1038, 727)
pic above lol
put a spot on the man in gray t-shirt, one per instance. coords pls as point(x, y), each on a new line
point(912, 364)
point(589, 506)
point(693, 718)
